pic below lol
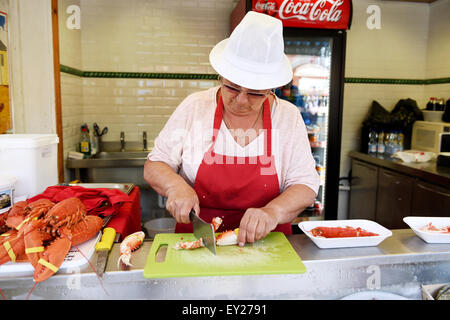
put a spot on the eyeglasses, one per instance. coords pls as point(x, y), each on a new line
point(236, 91)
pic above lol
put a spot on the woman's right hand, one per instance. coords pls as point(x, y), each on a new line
point(181, 198)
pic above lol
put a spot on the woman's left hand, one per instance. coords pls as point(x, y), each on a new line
point(256, 224)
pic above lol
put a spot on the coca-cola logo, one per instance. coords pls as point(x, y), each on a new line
point(265, 6)
point(306, 11)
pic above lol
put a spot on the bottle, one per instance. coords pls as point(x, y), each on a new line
point(440, 105)
point(394, 143)
point(400, 141)
point(373, 140)
point(380, 145)
point(430, 104)
point(85, 140)
point(446, 115)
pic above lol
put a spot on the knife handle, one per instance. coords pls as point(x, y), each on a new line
point(107, 240)
point(191, 215)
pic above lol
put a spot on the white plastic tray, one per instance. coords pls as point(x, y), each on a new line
point(326, 243)
point(74, 259)
point(415, 223)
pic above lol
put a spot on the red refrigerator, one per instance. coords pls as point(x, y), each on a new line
point(315, 39)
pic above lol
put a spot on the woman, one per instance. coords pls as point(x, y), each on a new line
point(236, 151)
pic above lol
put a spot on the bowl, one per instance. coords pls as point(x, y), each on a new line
point(432, 116)
point(349, 242)
point(416, 223)
point(160, 225)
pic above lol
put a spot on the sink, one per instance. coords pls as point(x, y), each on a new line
point(111, 159)
point(121, 155)
point(114, 166)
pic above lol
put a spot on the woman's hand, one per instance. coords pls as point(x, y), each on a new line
point(256, 224)
point(181, 198)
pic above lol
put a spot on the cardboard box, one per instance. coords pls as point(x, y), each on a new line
point(429, 291)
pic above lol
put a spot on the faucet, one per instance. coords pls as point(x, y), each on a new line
point(122, 141)
point(144, 137)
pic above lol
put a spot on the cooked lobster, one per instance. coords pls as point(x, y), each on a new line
point(45, 232)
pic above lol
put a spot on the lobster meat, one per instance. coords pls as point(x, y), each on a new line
point(128, 245)
point(341, 232)
point(44, 232)
point(433, 229)
point(226, 238)
point(189, 245)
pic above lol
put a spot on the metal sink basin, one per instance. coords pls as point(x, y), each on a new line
point(111, 159)
point(121, 155)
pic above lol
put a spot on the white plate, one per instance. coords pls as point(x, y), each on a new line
point(74, 259)
point(415, 223)
point(374, 295)
point(326, 243)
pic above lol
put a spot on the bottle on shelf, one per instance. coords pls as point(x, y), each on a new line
point(431, 104)
point(440, 105)
point(373, 141)
point(85, 140)
point(380, 145)
point(400, 141)
point(393, 143)
point(388, 143)
point(446, 115)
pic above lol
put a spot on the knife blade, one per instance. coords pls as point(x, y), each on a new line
point(203, 230)
point(102, 248)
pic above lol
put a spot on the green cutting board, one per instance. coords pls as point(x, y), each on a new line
point(271, 255)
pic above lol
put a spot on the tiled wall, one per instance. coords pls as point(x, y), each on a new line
point(71, 86)
point(136, 36)
point(134, 105)
point(399, 50)
point(438, 53)
point(146, 36)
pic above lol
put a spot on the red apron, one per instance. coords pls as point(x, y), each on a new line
point(227, 185)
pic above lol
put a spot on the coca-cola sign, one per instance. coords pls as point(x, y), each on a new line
point(323, 14)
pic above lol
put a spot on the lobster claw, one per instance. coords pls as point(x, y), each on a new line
point(51, 259)
point(11, 247)
point(33, 239)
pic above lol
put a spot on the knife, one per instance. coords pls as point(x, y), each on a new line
point(102, 248)
point(203, 230)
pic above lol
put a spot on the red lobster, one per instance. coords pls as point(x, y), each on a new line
point(44, 232)
point(341, 232)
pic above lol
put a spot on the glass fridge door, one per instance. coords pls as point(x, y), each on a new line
point(309, 91)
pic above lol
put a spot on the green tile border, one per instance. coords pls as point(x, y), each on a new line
point(137, 75)
point(397, 81)
point(70, 70)
point(200, 76)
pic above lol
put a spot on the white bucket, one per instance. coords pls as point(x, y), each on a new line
point(7, 185)
point(32, 159)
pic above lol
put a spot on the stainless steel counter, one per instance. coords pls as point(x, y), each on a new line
point(399, 265)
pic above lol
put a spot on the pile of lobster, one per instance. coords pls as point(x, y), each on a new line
point(43, 232)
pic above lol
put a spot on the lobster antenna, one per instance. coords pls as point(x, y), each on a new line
point(29, 293)
point(93, 269)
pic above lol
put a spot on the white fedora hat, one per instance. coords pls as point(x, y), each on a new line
point(253, 56)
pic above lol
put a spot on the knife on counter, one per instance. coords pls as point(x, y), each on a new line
point(203, 230)
point(102, 248)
